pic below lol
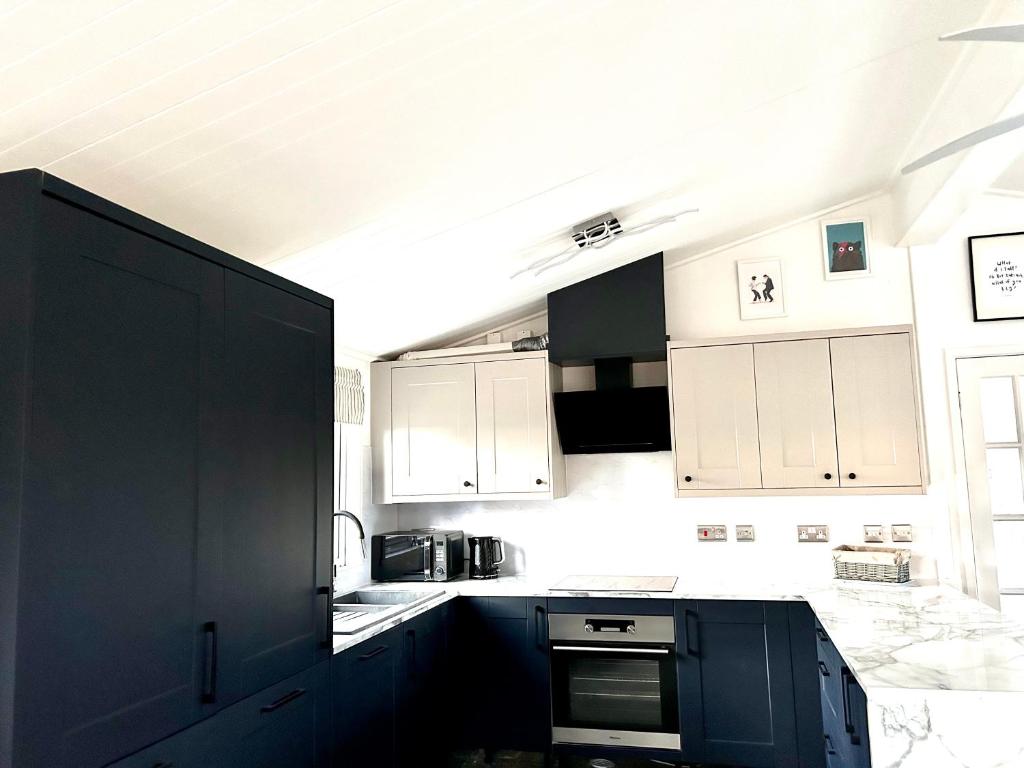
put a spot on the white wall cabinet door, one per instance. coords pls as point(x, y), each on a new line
point(512, 426)
point(796, 422)
point(433, 421)
point(876, 412)
point(714, 407)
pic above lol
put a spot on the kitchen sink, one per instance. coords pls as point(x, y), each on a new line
point(359, 610)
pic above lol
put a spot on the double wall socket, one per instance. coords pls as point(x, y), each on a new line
point(711, 533)
point(812, 533)
point(902, 532)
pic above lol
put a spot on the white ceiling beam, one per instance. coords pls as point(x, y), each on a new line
point(987, 85)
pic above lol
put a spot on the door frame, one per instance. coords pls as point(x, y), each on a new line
point(961, 528)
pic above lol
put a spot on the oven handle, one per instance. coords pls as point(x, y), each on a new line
point(608, 649)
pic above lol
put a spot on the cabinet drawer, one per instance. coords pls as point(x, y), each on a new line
point(175, 751)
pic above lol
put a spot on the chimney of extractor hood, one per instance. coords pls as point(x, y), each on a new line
point(610, 322)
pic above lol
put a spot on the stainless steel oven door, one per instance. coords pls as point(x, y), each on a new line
point(617, 692)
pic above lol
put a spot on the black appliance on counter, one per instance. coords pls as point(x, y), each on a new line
point(424, 554)
point(613, 681)
point(486, 554)
point(612, 321)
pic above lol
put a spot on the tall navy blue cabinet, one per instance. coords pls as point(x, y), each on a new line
point(165, 484)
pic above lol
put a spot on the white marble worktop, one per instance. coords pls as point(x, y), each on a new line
point(943, 673)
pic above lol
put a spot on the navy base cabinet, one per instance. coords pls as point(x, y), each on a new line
point(736, 683)
point(844, 708)
point(505, 673)
point(424, 690)
point(364, 703)
point(165, 481)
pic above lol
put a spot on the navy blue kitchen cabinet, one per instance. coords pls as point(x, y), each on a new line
point(275, 437)
point(736, 684)
point(125, 431)
point(424, 689)
point(363, 690)
point(843, 708)
point(806, 695)
point(503, 661)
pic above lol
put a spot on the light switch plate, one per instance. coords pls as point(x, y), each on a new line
point(812, 533)
point(744, 533)
point(711, 533)
point(873, 534)
point(902, 532)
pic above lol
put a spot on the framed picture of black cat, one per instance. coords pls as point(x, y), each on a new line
point(845, 248)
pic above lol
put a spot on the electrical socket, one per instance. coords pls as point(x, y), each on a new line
point(812, 533)
point(874, 534)
point(744, 533)
point(902, 532)
point(711, 533)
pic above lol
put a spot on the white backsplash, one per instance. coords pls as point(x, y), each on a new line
point(620, 517)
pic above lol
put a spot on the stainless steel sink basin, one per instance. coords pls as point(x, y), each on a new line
point(359, 610)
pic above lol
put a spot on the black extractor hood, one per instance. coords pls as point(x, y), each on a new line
point(610, 322)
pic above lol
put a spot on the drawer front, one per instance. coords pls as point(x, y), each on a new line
point(175, 751)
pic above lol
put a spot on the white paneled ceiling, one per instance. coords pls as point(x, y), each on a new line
point(406, 156)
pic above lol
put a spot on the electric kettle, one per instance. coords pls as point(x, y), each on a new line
point(486, 553)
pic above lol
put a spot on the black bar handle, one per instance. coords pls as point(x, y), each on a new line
point(829, 748)
point(692, 648)
point(539, 639)
point(375, 652)
point(410, 656)
point(824, 669)
point(847, 715)
point(821, 634)
point(324, 593)
point(209, 693)
point(163, 765)
point(288, 698)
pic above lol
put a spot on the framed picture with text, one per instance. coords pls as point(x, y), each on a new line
point(997, 276)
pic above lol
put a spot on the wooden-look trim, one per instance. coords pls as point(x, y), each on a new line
point(69, 193)
point(793, 336)
point(879, 490)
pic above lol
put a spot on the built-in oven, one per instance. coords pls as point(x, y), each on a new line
point(613, 680)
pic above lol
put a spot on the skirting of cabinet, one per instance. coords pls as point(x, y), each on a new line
point(895, 490)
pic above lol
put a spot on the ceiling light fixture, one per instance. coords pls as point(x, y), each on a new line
point(594, 234)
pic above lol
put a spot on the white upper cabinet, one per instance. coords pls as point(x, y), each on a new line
point(817, 413)
point(473, 427)
point(715, 415)
point(796, 423)
point(876, 411)
point(433, 416)
point(512, 426)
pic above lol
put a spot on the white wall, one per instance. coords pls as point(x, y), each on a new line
point(621, 514)
point(376, 518)
point(945, 326)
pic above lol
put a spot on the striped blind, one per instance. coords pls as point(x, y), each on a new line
point(348, 396)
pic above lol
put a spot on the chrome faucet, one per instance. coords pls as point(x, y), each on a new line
point(359, 525)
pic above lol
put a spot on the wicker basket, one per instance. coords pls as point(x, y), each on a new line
point(885, 564)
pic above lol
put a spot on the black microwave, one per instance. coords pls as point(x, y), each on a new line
point(426, 554)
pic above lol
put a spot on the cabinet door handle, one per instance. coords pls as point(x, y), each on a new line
point(823, 669)
point(822, 636)
point(410, 645)
point(467, 484)
point(828, 475)
point(288, 698)
point(692, 649)
point(847, 705)
point(324, 594)
point(852, 475)
point(163, 765)
point(538, 637)
point(375, 652)
point(209, 692)
point(688, 478)
point(539, 481)
point(828, 745)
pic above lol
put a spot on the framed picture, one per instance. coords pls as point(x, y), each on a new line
point(997, 276)
point(760, 289)
point(845, 248)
